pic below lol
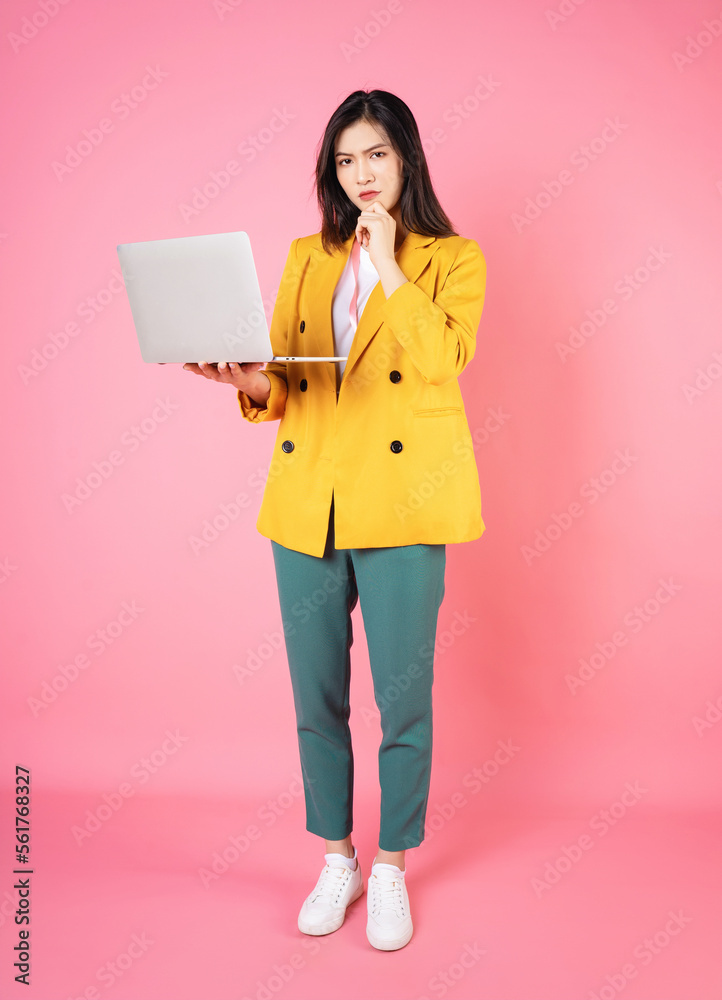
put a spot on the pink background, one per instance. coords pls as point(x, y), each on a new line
point(506, 907)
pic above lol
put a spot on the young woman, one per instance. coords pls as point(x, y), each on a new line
point(373, 473)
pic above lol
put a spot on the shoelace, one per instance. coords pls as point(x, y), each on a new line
point(332, 881)
point(387, 895)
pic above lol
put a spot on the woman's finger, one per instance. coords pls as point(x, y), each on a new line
point(227, 370)
point(202, 368)
point(232, 369)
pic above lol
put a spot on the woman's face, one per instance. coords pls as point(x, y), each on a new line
point(366, 162)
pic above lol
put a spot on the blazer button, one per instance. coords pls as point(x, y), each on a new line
point(304, 385)
point(395, 376)
point(288, 446)
point(302, 327)
point(396, 446)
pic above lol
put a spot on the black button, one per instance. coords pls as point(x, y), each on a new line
point(303, 325)
point(304, 385)
point(287, 445)
point(396, 446)
point(395, 376)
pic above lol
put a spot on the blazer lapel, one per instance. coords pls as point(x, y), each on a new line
point(325, 271)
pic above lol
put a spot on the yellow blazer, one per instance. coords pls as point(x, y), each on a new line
point(393, 446)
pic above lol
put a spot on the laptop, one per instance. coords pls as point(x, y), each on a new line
point(197, 298)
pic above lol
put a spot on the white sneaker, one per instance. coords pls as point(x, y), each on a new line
point(324, 909)
point(389, 923)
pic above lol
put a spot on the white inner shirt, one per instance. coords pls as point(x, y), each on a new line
point(343, 332)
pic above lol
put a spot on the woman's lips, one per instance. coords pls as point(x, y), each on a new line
point(368, 194)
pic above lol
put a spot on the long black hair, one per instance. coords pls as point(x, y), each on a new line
point(420, 209)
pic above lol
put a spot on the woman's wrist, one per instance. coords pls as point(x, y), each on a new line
point(260, 393)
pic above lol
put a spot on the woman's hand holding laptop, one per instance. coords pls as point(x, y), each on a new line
point(245, 377)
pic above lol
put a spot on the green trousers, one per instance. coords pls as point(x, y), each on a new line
point(401, 589)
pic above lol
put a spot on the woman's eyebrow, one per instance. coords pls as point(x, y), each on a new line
point(364, 150)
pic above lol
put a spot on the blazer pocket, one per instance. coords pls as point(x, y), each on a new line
point(439, 411)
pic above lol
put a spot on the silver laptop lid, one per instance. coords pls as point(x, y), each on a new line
point(196, 298)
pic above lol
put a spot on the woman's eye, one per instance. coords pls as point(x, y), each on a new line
point(378, 152)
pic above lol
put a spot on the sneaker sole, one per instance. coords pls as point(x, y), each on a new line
point(390, 945)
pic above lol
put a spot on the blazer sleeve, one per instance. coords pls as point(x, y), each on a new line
point(275, 405)
point(439, 334)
